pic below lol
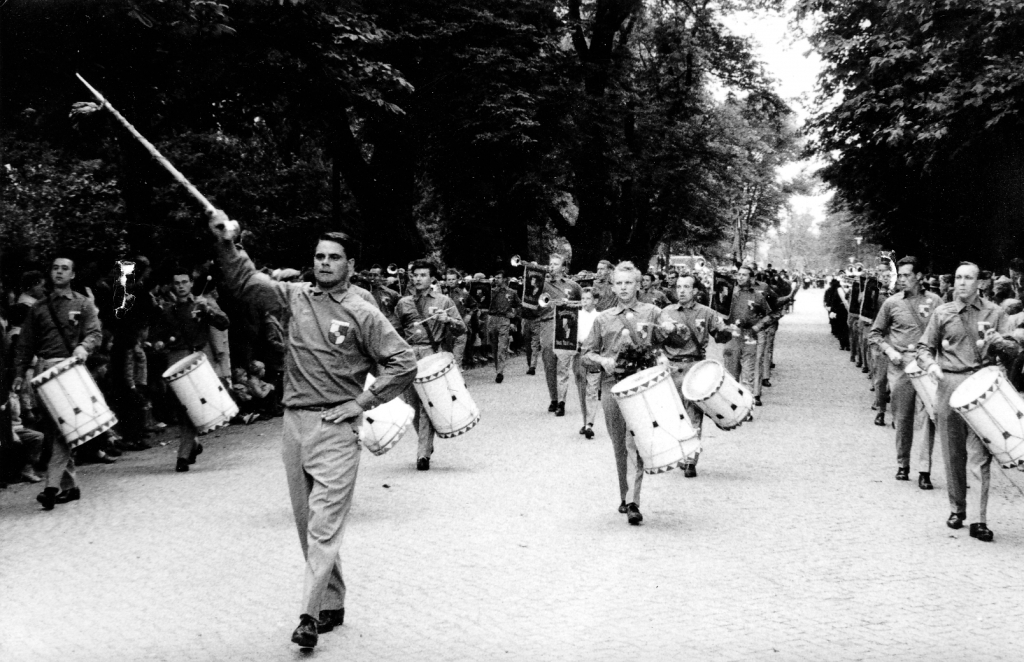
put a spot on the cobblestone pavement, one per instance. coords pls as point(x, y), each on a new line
point(794, 543)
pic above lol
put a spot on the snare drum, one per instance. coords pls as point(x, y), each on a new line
point(925, 387)
point(443, 393)
point(995, 411)
point(385, 424)
point(197, 388)
point(74, 401)
point(721, 397)
point(655, 417)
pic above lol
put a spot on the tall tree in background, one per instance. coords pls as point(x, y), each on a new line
point(920, 121)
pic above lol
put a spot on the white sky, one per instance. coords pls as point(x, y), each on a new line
point(795, 65)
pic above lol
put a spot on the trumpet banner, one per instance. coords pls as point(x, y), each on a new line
point(533, 286)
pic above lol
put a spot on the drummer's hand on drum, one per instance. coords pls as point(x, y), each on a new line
point(935, 371)
point(158, 346)
point(80, 352)
point(895, 357)
point(16, 385)
point(994, 339)
point(344, 412)
point(608, 364)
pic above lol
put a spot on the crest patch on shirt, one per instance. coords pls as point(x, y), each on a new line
point(338, 331)
point(700, 322)
point(73, 316)
point(925, 309)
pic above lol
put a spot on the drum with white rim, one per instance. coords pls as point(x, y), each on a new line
point(444, 395)
point(925, 385)
point(995, 411)
point(195, 384)
point(74, 401)
point(726, 402)
point(385, 424)
point(655, 417)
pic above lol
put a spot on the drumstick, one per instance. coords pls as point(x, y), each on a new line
point(437, 314)
point(153, 151)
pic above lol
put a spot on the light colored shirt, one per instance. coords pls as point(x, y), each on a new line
point(333, 339)
point(585, 323)
point(902, 320)
point(690, 320)
point(950, 340)
point(413, 313)
point(610, 333)
point(77, 323)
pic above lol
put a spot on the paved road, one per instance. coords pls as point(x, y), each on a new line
point(793, 543)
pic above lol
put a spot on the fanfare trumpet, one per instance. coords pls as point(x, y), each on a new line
point(544, 300)
point(517, 261)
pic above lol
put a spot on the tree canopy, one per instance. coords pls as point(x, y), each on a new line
point(466, 130)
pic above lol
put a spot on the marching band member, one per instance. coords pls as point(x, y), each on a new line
point(604, 294)
point(183, 328)
point(749, 312)
point(689, 325)
point(424, 318)
point(900, 323)
point(557, 367)
point(588, 380)
point(615, 332)
point(466, 305)
point(649, 293)
point(504, 308)
point(60, 325)
point(949, 352)
point(853, 317)
point(335, 338)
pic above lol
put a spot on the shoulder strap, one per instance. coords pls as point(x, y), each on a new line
point(56, 323)
point(922, 322)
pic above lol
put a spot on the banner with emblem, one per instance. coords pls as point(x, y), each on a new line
point(567, 321)
point(533, 285)
point(481, 291)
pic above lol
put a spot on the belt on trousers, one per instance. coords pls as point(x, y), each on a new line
point(317, 407)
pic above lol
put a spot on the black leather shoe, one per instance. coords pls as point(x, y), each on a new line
point(103, 458)
point(865, 370)
point(330, 619)
point(531, 371)
point(981, 532)
point(956, 520)
point(749, 418)
point(113, 451)
point(553, 406)
point(73, 494)
point(560, 410)
point(903, 473)
point(47, 498)
point(757, 400)
point(880, 419)
point(690, 470)
point(197, 450)
point(423, 464)
point(852, 359)
point(583, 430)
point(633, 514)
point(622, 507)
point(589, 432)
point(182, 465)
point(766, 382)
point(773, 366)
point(924, 481)
point(305, 634)
point(499, 378)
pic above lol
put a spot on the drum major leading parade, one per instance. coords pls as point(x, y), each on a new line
point(168, 345)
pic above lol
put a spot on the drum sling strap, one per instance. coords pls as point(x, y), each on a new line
point(60, 329)
point(430, 336)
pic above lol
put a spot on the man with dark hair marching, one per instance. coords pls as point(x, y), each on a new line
point(900, 323)
point(60, 325)
point(688, 326)
point(334, 339)
point(183, 327)
point(423, 320)
point(504, 308)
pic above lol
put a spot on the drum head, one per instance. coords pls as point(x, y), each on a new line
point(703, 380)
point(644, 378)
point(184, 366)
point(974, 388)
point(912, 368)
point(433, 364)
point(50, 373)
